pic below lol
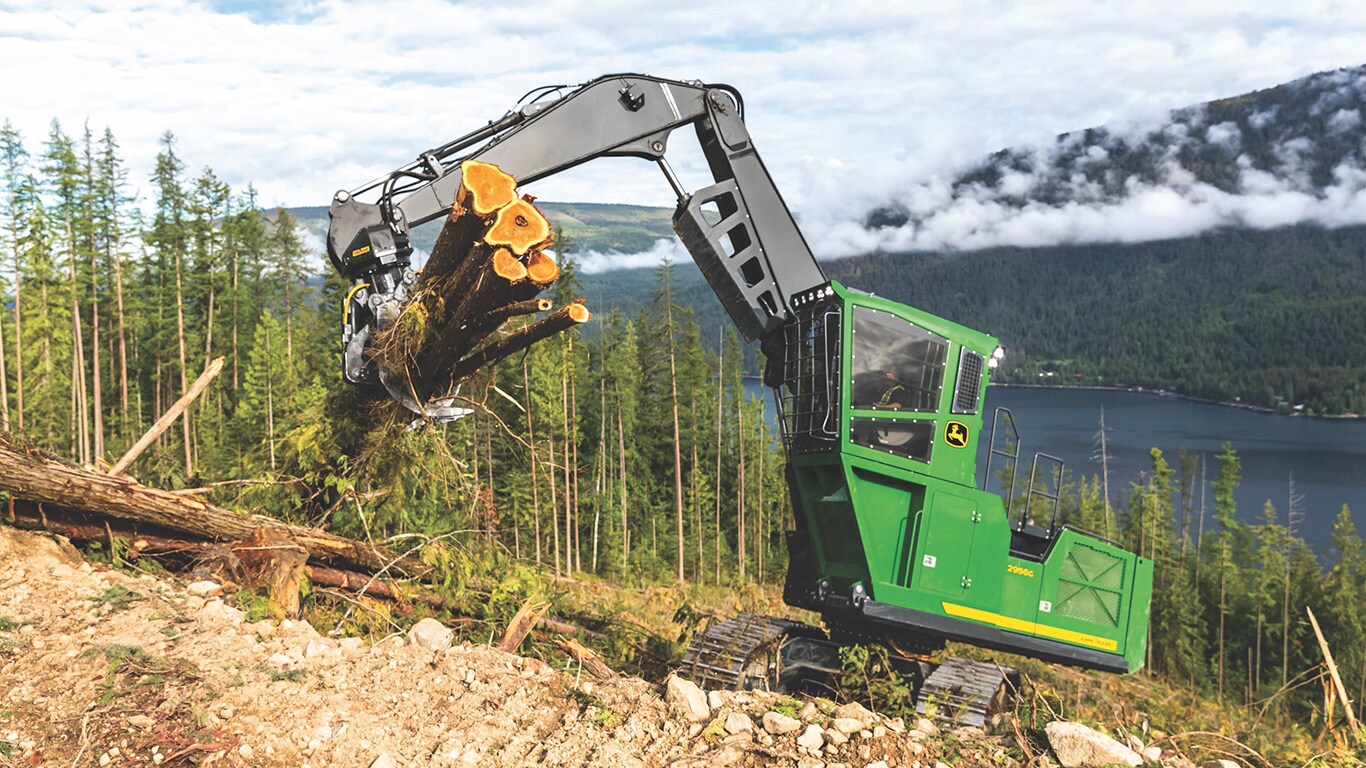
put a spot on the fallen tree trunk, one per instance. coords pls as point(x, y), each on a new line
point(30, 476)
point(92, 528)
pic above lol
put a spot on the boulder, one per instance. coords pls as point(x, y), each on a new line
point(204, 588)
point(812, 738)
point(927, 727)
point(857, 712)
point(430, 634)
point(738, 722)
point(847, 725)
point(687, 698)
point(778, 723)
point(1080, 747)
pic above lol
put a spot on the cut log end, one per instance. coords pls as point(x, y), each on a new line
point(520, 227)
point(484, 187)
point(506, 266)
point(578, 312)
point(541, 268)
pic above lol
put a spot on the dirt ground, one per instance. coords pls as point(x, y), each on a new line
point(101, 667)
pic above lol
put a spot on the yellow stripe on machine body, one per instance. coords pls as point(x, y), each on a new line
point(1030, 627)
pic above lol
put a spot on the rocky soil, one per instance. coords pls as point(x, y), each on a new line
point(101, 667)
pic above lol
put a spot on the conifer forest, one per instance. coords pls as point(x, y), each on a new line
point(630, 453)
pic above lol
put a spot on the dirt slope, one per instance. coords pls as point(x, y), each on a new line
point(99, 667)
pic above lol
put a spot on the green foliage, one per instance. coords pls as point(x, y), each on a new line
point(599, 714)
point(868, 675)
point(293, 674)
point(130, 667)
point(117, 597)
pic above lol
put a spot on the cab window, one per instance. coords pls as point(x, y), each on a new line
point(897, 366)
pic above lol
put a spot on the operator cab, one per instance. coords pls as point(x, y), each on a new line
point(883, 381)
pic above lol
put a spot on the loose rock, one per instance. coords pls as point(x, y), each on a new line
point(430, 634)
point(738, 722)
point(812, 738)
point(778, 723)
point(204, 589)
point(1080, 747)
point(847, 725)
point(687, 698)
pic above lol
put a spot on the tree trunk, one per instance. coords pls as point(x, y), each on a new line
point(740, 474)
point(125, 424)
point(4, 381)
point(531, 446)
point(678, 448)
point(30, 476)
point(621, 457)
point(720, 409)
point(18, 343)
point(97, 406)
point(79, 395)
point(184, 378)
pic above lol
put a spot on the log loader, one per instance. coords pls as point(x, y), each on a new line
point(896, 538)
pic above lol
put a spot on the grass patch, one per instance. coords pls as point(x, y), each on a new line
point(131, 667)
point(789, 707)
point(118, 597)
point(293, 675)
point(255, 607)
point(597, 711)
point(9, 625)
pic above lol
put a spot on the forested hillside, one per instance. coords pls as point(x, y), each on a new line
point(1238, 315)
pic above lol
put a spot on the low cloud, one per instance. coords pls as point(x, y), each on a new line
point(593, 262)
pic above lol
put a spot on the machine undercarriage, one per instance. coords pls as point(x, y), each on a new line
point(750, 651)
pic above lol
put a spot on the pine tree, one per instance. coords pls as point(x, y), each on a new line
point(265, 404)
point(1226, 515)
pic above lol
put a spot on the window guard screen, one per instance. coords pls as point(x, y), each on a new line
point(810, 395)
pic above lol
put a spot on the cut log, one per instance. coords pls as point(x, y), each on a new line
point(488, 259)
point(520, 227)
point(542, 269)
point(30, 476)
point(484, 187)
point(562, 319)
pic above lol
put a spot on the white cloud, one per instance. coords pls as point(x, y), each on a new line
point(329, 94)
point(593, 262)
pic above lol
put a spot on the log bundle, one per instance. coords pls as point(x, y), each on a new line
point(489, 265)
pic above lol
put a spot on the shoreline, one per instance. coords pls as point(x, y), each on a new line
point(1188, 398)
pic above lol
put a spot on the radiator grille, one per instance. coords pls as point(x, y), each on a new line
point(1089, 586)
point(969, 382)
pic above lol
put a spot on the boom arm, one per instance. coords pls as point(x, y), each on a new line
point(738, 229)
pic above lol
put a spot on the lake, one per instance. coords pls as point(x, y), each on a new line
point(1326, 457)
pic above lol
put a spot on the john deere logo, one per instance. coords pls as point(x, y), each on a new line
point(956, 434)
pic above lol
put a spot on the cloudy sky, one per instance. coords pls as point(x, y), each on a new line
point(846, 100)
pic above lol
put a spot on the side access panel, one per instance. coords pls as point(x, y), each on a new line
point(1086, 592)
point(947, 527)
